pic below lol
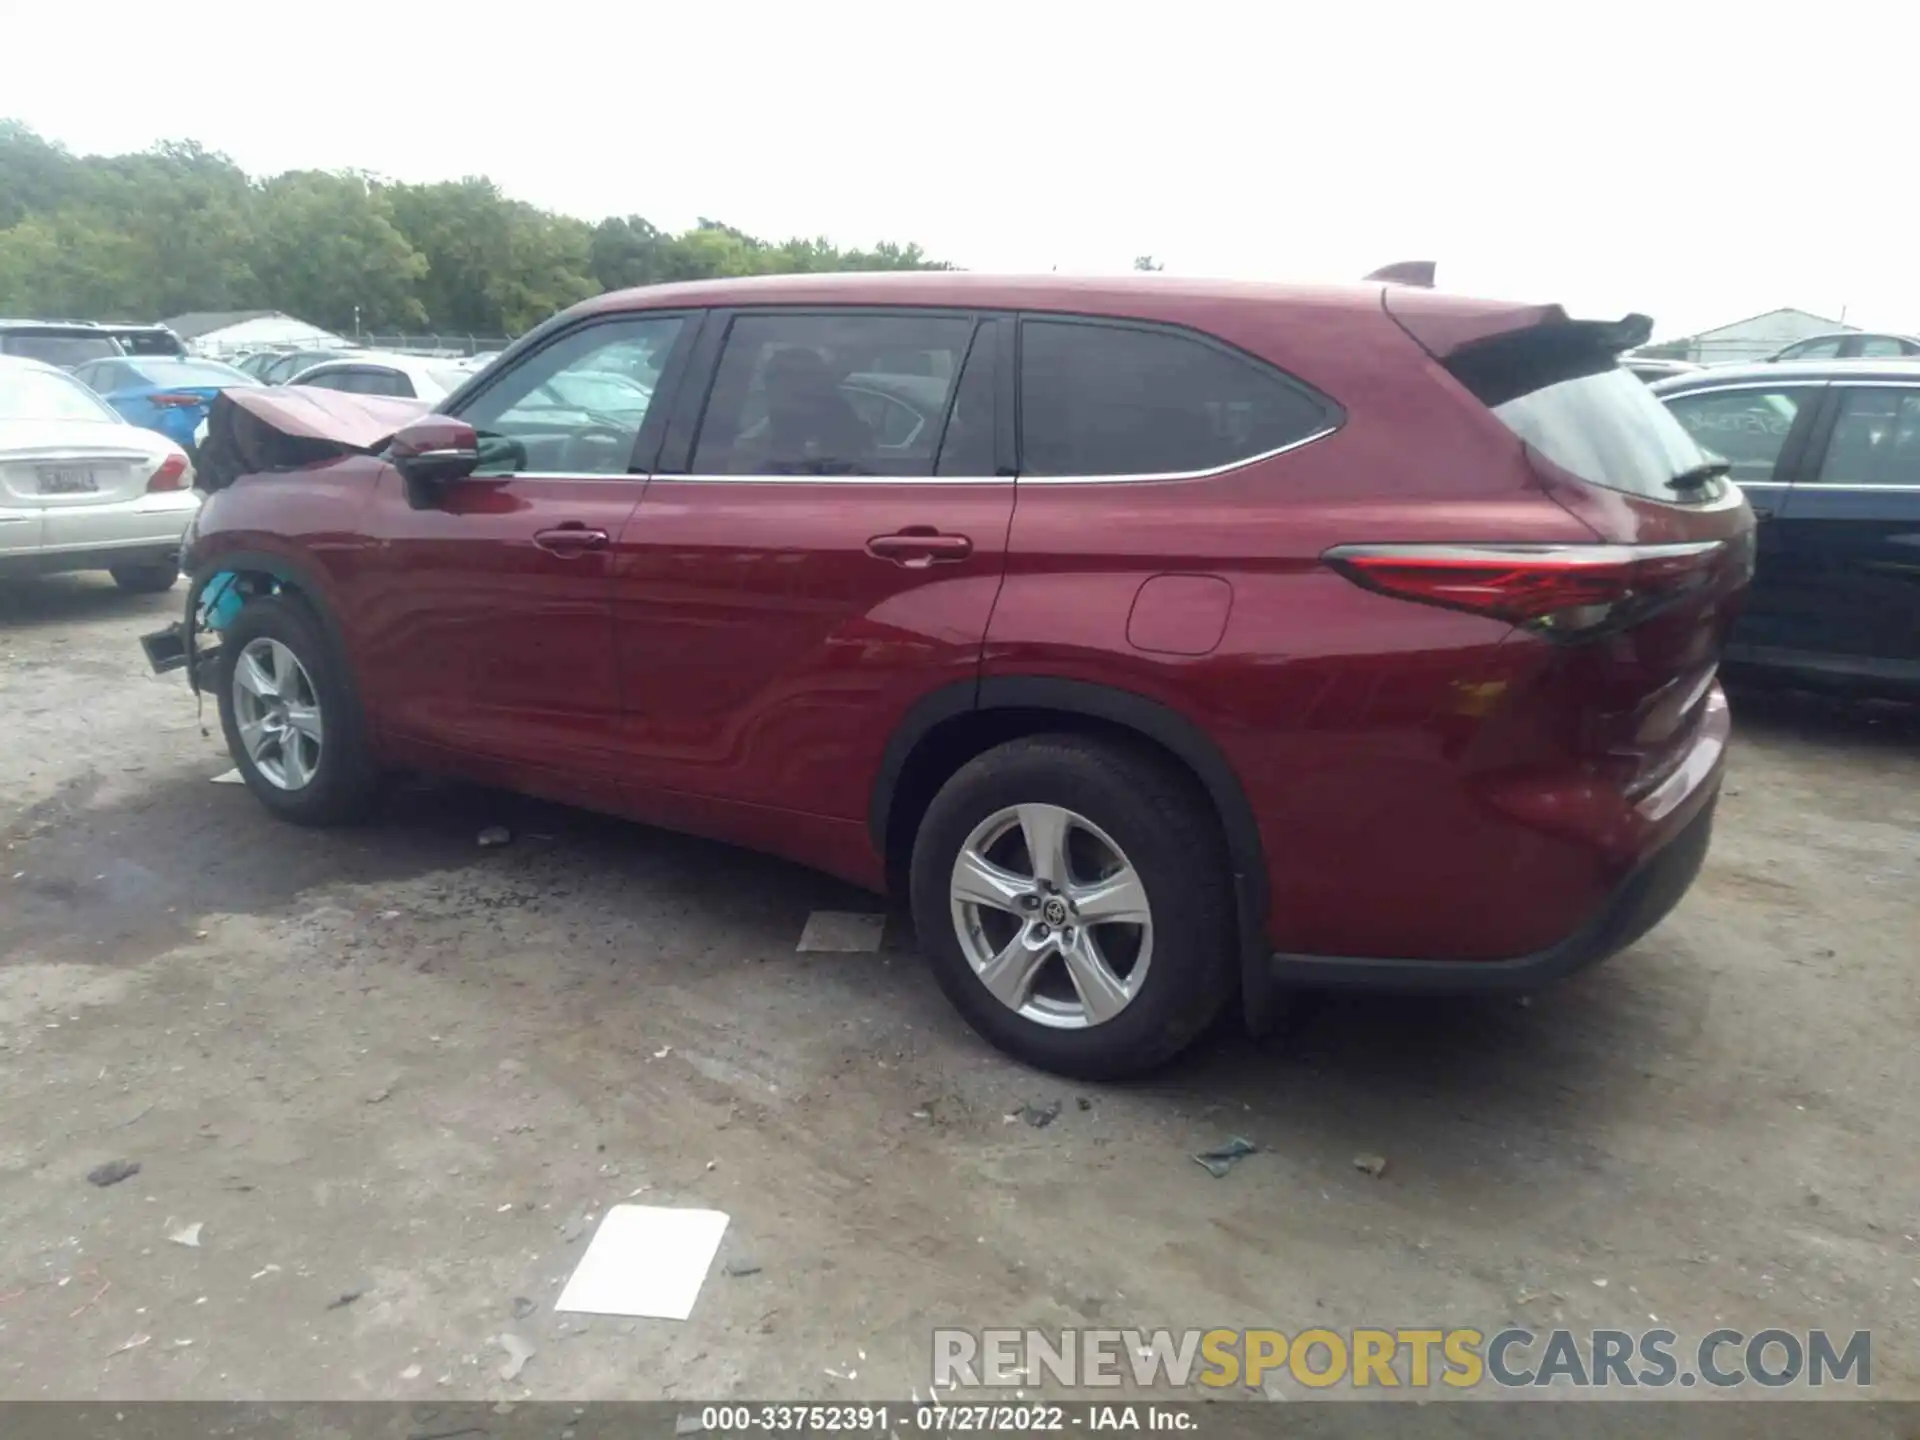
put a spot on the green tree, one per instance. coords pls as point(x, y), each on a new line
point(1148, 263)
point(180, 227)
point(326, 249)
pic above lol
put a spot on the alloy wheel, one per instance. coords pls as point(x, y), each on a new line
point(1052, 916)
point(277, 711)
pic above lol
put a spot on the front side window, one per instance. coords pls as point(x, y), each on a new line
point(575, 406)
point(1747, 428)
point(1104, 399)
point(825, 394)
point(1876, 438)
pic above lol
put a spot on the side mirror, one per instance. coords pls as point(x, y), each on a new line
point(435, 448)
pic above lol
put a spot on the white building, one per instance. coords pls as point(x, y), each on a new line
point(1754, 338)
point(229, 332)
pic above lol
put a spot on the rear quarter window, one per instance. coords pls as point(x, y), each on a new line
point(1101, 398)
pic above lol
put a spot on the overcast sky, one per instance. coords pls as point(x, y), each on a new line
point(1694, 160)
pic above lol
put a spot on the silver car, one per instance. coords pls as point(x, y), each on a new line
point(81, 488)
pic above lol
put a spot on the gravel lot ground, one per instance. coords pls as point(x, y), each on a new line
point(385, 1063)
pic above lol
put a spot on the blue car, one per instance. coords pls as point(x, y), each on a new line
point(167, 393)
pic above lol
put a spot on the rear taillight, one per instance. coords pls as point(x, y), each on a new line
point(1565, 592)
point(172, 475)
point(176, 402)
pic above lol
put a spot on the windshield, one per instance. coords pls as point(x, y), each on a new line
point(41, 395)
point(190, 372)
point(65, 351)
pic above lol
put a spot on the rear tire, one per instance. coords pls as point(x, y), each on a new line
point(1112, 997)
point(154, 578)
point(320, 771)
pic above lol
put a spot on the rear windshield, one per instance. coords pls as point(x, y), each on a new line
point(29, 394)
point(1586, 414)
point(66, 351)
point(149, 342)
point(192, 372)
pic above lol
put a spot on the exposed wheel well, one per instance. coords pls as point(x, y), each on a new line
point(958, 739)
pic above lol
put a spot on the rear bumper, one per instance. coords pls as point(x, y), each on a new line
point(1641, 902)
point(1670, 828)
point(91, 557)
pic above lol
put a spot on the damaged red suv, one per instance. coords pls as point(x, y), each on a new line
point(1165, 642)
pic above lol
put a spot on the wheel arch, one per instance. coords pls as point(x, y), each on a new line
point(953, 724)
point(287, 575)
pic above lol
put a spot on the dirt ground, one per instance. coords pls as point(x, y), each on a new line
point(390, 1065)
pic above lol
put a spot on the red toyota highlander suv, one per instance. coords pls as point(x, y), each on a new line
point(1163, 641)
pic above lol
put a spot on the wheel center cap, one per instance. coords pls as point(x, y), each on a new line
point(1054, 910)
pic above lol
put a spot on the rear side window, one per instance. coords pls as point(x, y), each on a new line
point(1747, 428)
point(1107, 399)
point(825, 394)
point(1826, 349)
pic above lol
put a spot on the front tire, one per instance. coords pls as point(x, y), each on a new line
point(155, 578)
point(1075, 900)
point(292, 719)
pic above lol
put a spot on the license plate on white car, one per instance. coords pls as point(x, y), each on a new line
point(67, 480)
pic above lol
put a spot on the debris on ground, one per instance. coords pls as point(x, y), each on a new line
point(1040, 1116)
point(645, 1260)
point(1222, 1158)
point(229, 777)
point(1083, 1102)
point(842, 931)
point(495, 835)
point(134, 1344)
point(738, 1268)
point(113, 1172)
point(412, 1372)
point(1374, 1165)
point(518, 1353)
point(188, 1235)
point(345, 1299)
point(385, 1092)
point(523, 1307)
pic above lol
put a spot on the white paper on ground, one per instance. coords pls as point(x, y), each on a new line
point(842, 930)
point(231, 777)
point(648, 1260)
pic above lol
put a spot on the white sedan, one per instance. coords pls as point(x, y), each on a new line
point(81, 489)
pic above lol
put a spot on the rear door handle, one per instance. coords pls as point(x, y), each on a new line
point(571, 540)
point(917, 549)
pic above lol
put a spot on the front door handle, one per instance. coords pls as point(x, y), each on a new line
point(918, 548)
point(570, 540)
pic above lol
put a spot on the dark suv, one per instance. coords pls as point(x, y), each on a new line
point(1164, 642)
